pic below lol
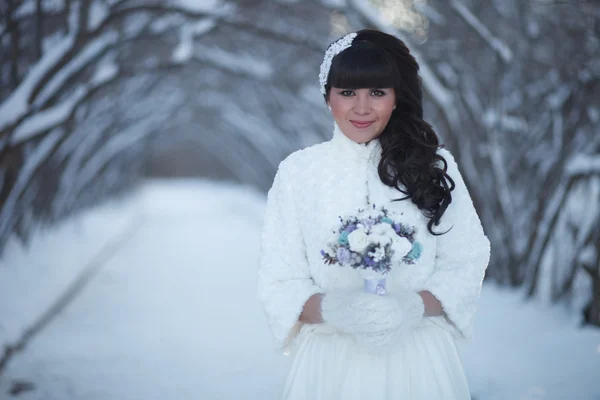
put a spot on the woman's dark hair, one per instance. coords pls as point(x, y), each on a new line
point(409, 145)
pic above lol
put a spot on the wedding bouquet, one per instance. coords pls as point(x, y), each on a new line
point(370, 241)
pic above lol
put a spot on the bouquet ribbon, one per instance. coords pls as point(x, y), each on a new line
point(375, 286)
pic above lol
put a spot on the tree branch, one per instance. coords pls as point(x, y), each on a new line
point(496, 44)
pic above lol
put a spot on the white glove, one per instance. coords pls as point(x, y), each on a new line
point(375, 321)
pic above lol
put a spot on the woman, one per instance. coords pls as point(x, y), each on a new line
point(348, 344)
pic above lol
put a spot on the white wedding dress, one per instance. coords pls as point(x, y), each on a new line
point(311, 188)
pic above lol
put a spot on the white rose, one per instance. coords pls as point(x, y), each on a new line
point(332, 241)
point(401, 246)
point(381, 240)
point(378, 254)
point(331, 245)
point(383, 229)
point(358, 240)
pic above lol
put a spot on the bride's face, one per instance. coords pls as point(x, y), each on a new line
point(362, 114)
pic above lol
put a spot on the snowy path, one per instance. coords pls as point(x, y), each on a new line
point(164, 319)
point(173, 315)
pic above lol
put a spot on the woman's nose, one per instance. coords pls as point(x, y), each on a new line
point(362, 105)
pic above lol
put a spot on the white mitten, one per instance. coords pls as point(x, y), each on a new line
point(409, 313)
point(357, 312)
point(375, 321)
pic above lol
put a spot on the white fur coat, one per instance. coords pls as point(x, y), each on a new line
point(311, 188)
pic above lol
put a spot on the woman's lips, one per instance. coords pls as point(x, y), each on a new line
point(362, 124)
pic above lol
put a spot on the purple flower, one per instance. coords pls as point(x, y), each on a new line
point(350, 228)
point(369, 261)
point(368, 222)
point(343, 255)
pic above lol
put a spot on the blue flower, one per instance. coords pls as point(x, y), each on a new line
point(416, 251)
point(387, 220)
point(343, 239)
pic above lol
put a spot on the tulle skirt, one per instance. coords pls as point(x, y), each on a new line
point(330, 365)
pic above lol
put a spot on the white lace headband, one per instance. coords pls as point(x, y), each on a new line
point(336, 48)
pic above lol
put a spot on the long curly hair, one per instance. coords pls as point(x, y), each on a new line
point(409, 158)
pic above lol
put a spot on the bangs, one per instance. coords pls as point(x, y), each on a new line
point(360, 67)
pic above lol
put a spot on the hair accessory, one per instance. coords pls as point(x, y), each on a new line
point(336, 48)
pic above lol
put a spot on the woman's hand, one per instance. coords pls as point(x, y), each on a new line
point(433, 307)
point(311, 313)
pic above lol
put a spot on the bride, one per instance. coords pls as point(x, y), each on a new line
point(347, 344)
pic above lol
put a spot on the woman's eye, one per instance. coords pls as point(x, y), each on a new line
point(346, 93)
point(378, 93)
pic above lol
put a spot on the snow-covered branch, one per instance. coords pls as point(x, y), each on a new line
point(56, 115)
point(496, 44)
point(16, 106)
point(32, 163)
point(579, 166)
point(236, 63)
point(92, 50)
point(583, 164)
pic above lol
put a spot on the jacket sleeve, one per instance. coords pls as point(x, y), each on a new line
point(462, 256)
point(284, 280)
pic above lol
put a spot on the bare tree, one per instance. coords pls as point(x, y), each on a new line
point(110, 86)
point(46, 127)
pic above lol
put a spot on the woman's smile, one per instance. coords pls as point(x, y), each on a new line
point(362, 124)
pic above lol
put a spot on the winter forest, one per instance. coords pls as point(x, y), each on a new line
point(102, 100)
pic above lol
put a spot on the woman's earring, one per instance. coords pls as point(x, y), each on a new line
point(394, 108)
point(329, 107)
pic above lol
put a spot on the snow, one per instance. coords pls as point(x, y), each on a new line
point(167, 315)
point(106, 70)
point(582, 163)
point(16, 106)
point(242, 63)
point(334, 3)
point(187, 34)
point(25, 9)
point(60, 112)
point(200, 5)
point(48, 118)
point(83, 58)
point(530, 351)
point(97, 14)
point(162, 24)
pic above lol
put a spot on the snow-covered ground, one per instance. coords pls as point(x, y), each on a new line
point(172, 314)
